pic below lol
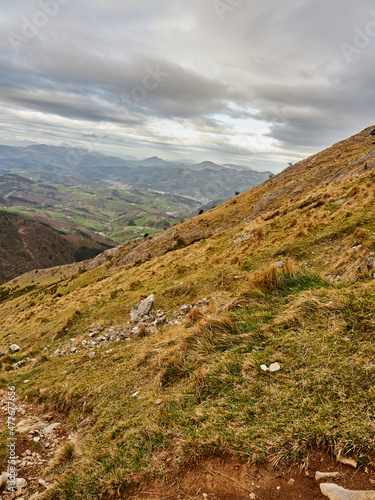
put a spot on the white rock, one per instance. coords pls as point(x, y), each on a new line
point(335, 492)
point(20, 485)
point(3, 479)
point(134, 394)
point(347, 461)
point(325, 475)
point(14, 348)
point(280, 263)
point(51, 427)
point(353, 249)
point(264, 368)
point(26, 426)
point(142, 309)
point(43, 483)
point(275, 367)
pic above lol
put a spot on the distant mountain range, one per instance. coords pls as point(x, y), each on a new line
point(206, 181)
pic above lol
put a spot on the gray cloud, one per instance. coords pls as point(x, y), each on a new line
point(263, 81)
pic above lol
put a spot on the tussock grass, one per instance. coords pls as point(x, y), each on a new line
point(215, 398)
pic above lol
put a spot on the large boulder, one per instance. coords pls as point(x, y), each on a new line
point(142, 309)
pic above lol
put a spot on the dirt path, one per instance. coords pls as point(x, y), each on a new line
point(38, 435)
point(226, 479)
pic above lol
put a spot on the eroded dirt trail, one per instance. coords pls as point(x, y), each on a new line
point(226, 479)
point(37, 435)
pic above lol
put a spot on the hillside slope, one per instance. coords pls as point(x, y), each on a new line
point(282, 276)
point(27, 244)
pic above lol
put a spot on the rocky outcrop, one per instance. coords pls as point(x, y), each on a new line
point(142, 309)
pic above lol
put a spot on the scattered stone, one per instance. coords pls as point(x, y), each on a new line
point(36, 439)
point(347, 461)
point(134, 394)
point(26, 381)
point(43, 483)
point(142, 309)
point(325, 475)
point(272, 368)
point(14, 348)
point(245, 237)
point(354, 249)
point(73, 350)
point(20, 484)
point(252, 496)
point(280, 263)
point(26, 426)
point(18, 364)
point(135, 330)
point(291, 481)
point(3, 479)
point(51, 427)
point(275, 367)
point(91, 354)
point(335, 492)
point(158, 402)
point(185, 309)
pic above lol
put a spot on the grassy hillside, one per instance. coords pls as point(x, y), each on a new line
point(27, 244)
point(288, 270)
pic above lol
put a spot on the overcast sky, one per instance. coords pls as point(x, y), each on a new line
point(255, 82)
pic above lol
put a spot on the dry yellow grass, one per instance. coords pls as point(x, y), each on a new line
point(291, 293)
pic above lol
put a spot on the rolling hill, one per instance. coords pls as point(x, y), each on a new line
point(257, 355)
point(27, 245)
point(104, 212)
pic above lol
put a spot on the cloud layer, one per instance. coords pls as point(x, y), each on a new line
point(252, 82)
